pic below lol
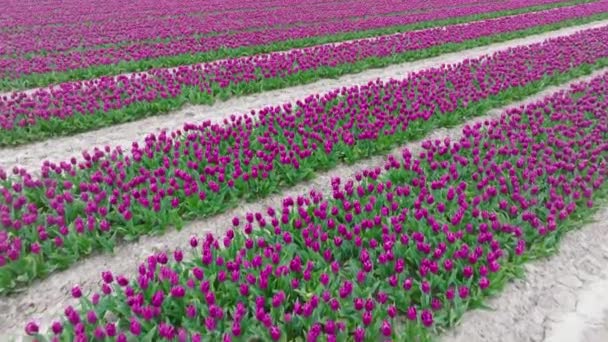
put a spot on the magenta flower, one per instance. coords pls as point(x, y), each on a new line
point(135, 327)
point(369, 305)
point(412, 314)
point(359, 334)
point(76, 292)
point(484, 283)
point(358, 303)
point(386, 328)
point(407, 284)
point(178, 255)
point(57, 328)
point(427, 318)
point(324, 279)
point(35, 248)
point(463, 292)
point(425, 287)
point(31, 328)
point(392, 311)
point(158, 298)
point(99, 333)
point(275, 333)
point(236, 329)
point(178, 291)
point(244, 290)
point(367, 318)
point(91, 317)
point(110, 329)
point(210, 323)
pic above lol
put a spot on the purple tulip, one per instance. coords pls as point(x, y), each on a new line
point(57, 328)
point(31, 328)
point(275, 333)
point(135, 327)
point(386, 329)
point(427, 318)
point(76, 292)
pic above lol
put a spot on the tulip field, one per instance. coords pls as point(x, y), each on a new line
point(86, 105)
point(398, 251)
point(38, 54)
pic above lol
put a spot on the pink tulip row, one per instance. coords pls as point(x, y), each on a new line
point(182, 35)
point(98, 96)
point(389, 256)
point(77, 206)
point(199, 18)
point(72, 14)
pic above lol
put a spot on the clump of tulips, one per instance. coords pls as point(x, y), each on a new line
point(397, 252)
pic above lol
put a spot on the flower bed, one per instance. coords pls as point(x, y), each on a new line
point(113, 22)
point(79, 106)
point(394, 253)
point(32, 49)
point(79, 206)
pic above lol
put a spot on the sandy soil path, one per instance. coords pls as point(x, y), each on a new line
point(45, 300)
point(32, 155)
